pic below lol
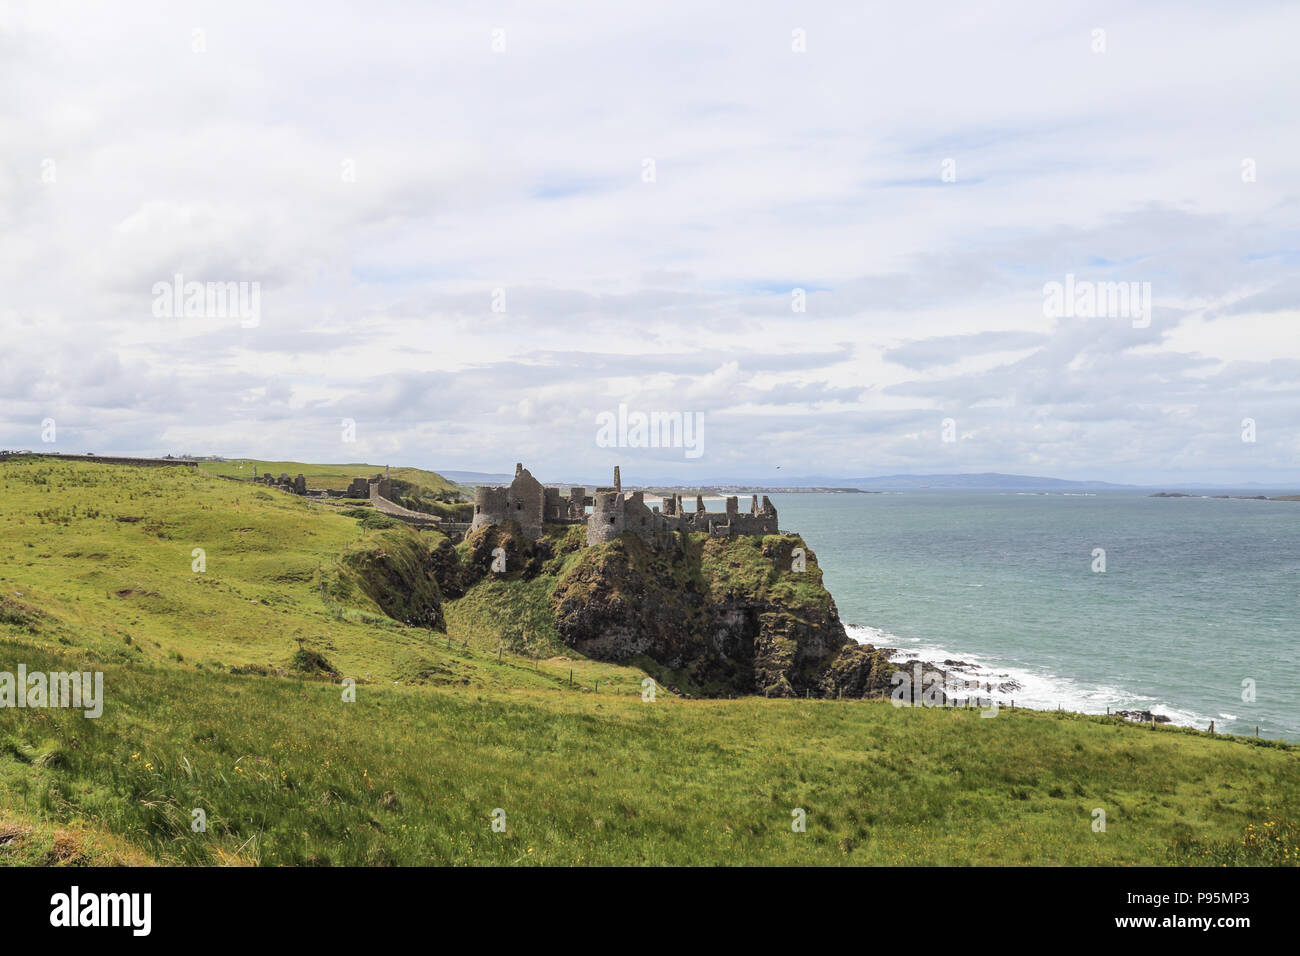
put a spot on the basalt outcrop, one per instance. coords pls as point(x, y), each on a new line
point(741, 615)
point(712, 616)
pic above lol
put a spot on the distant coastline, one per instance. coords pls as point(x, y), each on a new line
point(1184, 494)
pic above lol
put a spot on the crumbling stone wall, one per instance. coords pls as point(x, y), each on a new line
point(379, 501)
point(295, 486)
point(613, 511)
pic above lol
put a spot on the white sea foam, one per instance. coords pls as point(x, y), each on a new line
point(1037, 689)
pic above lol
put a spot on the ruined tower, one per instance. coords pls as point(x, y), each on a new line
point(523, 501)
point(607, 518)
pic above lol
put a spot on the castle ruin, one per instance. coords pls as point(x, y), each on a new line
point(526, 501)
point(296, 486)
point(613, 511)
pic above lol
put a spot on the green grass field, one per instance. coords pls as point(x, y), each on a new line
point(209, 707)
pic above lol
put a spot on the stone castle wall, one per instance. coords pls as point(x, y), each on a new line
point(525, 500)
point(613, 511)
point(380, 489)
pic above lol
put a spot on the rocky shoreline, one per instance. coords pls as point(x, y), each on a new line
point(1142, 716)
point(957, 681)
point(955, 677)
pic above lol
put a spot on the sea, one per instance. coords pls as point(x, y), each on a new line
point(1186, 607)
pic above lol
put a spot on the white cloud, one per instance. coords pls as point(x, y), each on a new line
point(381, 172)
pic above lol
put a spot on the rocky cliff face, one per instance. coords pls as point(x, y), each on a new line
point(709, 616)
point(726, 616)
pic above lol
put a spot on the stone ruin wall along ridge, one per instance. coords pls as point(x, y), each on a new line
point(526, 501)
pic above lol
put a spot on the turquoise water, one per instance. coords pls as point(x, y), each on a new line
point(1198, 595)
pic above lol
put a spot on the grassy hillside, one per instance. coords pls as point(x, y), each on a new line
point(103, 557)
point(216, 699)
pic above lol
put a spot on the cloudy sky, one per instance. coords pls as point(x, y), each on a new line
point(474, 227)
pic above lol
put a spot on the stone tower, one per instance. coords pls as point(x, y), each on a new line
point(524, 501)
point(607, 519)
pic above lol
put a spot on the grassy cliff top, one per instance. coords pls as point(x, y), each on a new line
point(209, 704)
point(330, 477)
